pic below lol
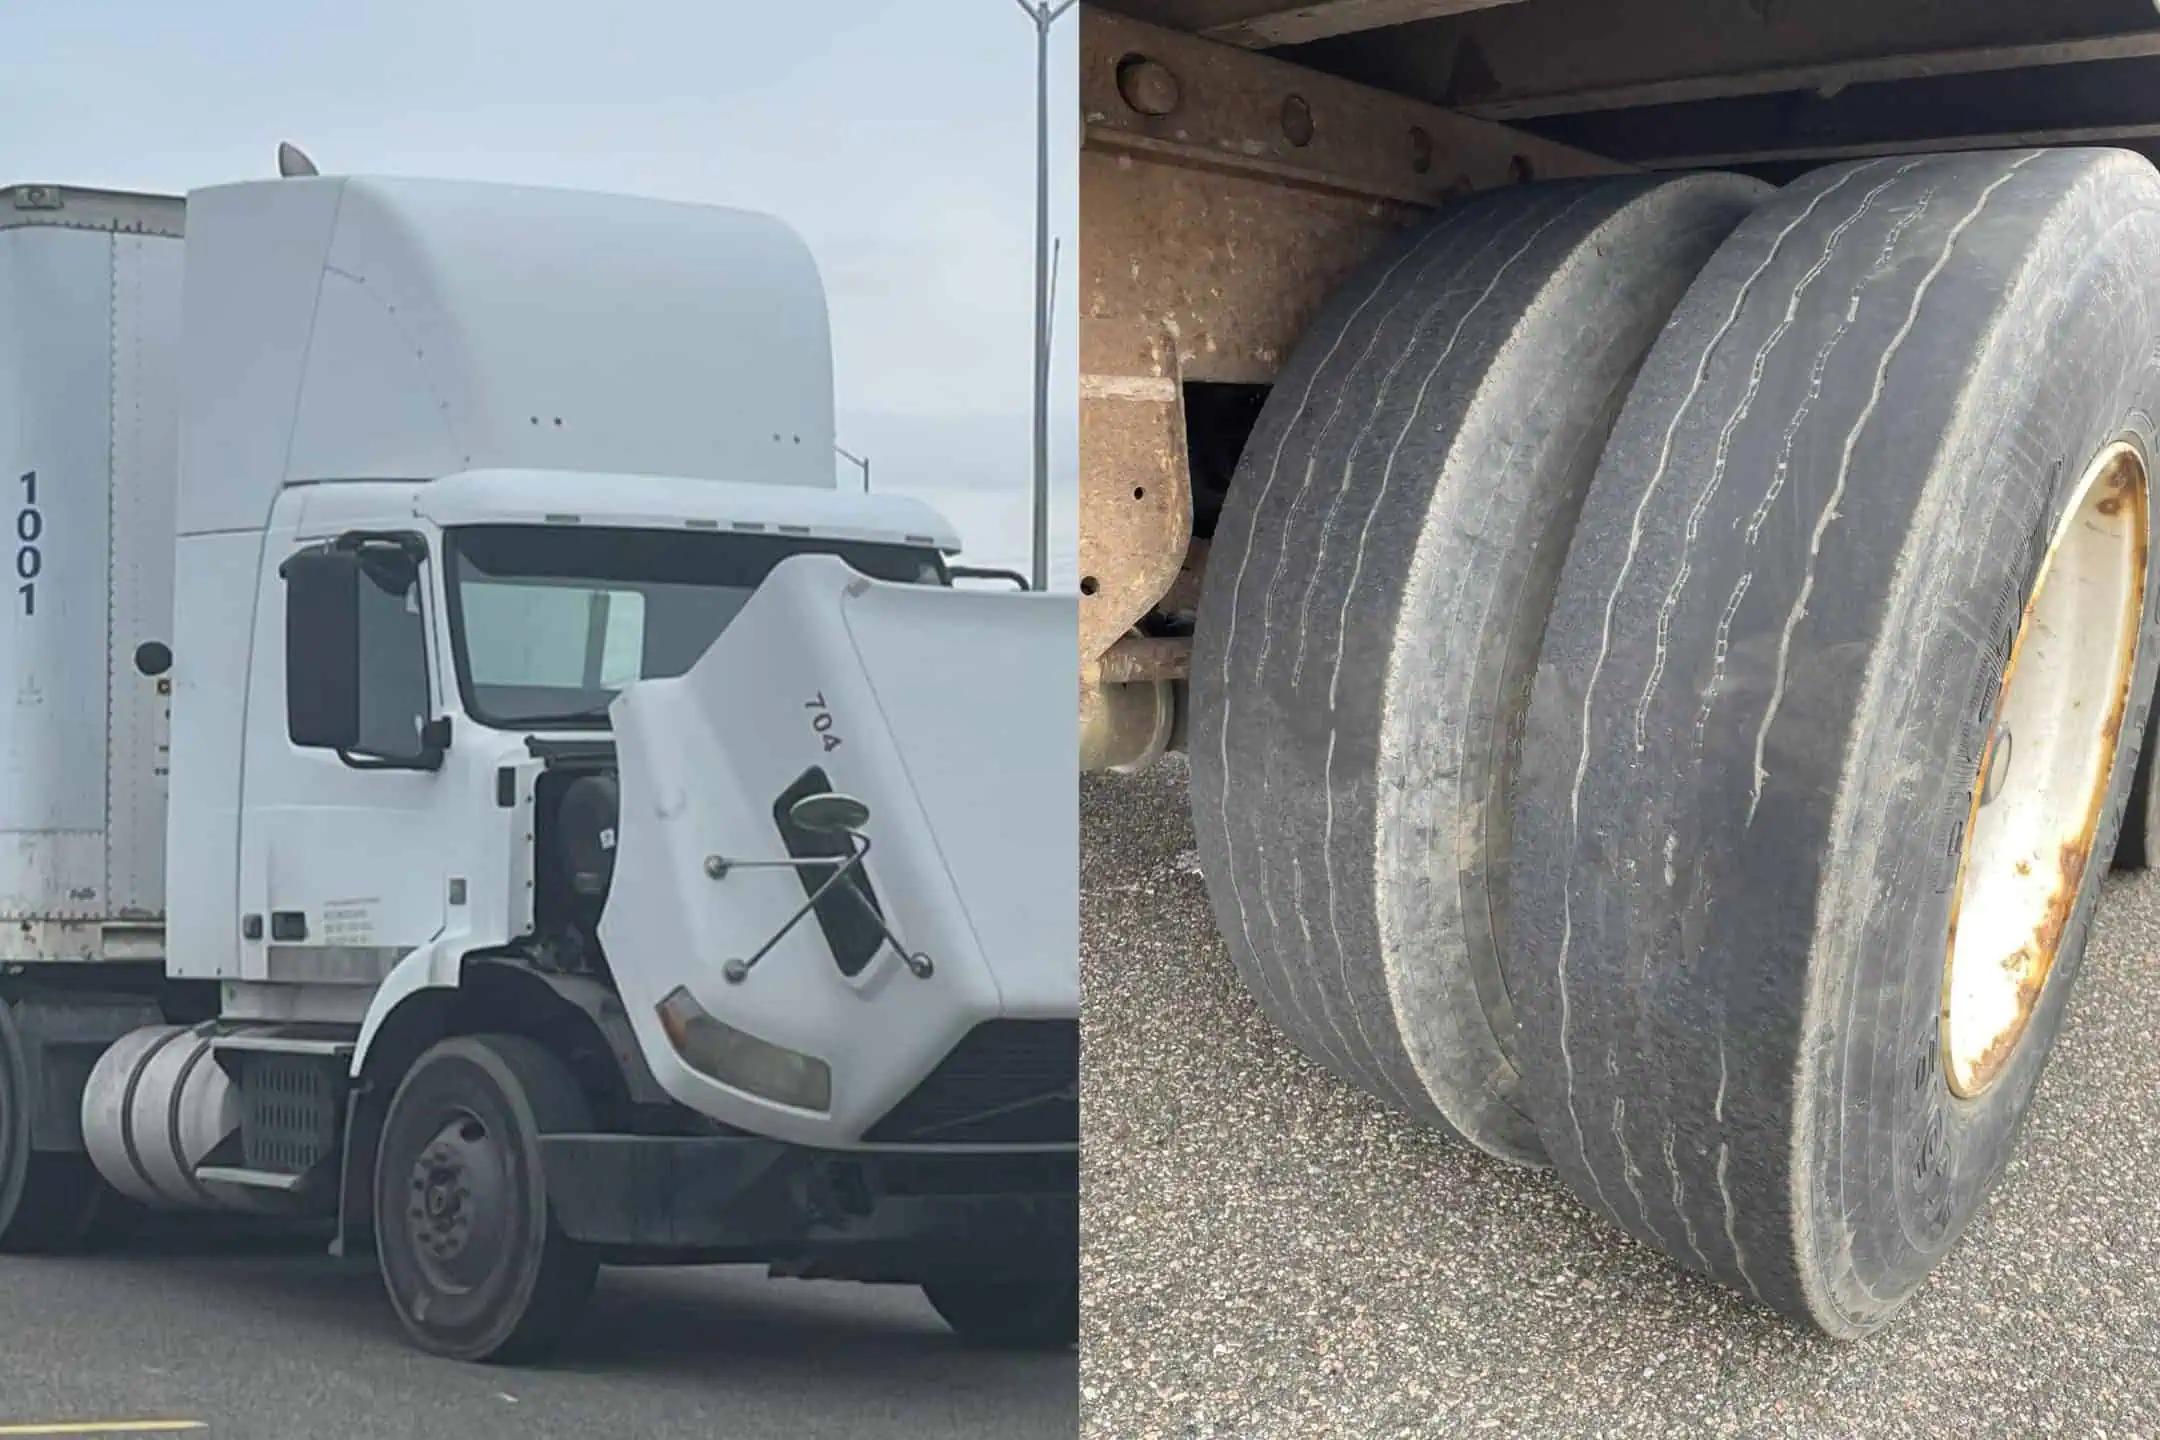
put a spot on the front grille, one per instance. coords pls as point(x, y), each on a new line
point(1008, 1082)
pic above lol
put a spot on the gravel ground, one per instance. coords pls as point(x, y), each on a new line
point(1268, 1252)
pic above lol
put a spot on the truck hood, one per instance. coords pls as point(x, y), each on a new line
point(949, 713)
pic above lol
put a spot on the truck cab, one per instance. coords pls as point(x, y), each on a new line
point(591, 836)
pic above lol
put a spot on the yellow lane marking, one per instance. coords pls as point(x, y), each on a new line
point(104, 1427)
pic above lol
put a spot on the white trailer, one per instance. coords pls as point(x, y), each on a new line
point(470, 558)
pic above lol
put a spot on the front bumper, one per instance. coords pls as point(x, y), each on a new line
point(899, 1215)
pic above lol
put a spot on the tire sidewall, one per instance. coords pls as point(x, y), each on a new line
point(2141, 822)
point(1879, 1200)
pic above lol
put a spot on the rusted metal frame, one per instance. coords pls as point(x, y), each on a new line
point(1257, 24)
point(1826, 77)
point(1136, 492)
point(2107, 101)
point(1156, 94)
point(2127, 136)
point(1223, 196)
point(1558, 57)
point(1140, 658)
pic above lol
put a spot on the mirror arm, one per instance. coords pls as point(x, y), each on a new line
point(428, 759)
point(737, 971)
point(987, 572)
point(414, 547)
point(434, 743)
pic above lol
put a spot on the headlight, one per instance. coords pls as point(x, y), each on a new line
point(733, 1057)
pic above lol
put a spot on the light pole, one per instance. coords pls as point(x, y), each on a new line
point(853, 459)
point(1044, 14)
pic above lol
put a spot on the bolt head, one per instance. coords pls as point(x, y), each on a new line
point(1149, 86)
point(1297, 121)
point(1420, 149)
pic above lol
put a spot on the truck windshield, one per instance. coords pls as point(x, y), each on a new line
point(548, 622)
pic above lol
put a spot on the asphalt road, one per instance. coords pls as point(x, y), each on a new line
point(272, 1339)
point(1267, 1252)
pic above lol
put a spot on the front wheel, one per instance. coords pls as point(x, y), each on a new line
point(474, 1263)
point(1031, 1307)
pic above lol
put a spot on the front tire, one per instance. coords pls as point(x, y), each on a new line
point(1026, 1308)
point(471, 1256)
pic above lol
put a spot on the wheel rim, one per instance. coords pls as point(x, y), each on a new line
point(2043, 774)
point(457, 1204)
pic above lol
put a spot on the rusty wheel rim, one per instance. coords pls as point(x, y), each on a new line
point(2043, 774)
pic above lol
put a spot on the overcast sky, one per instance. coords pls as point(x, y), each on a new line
point(897, 135)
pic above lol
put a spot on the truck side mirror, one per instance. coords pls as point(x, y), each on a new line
point(322, 647)
point(828, 812)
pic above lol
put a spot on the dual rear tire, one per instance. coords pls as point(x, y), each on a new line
point(1374, 598)
point(49, 1200)
point(1662, 888)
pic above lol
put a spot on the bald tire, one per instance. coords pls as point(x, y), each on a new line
point(1371, 614)
point(527, 1280)
point(1769, 678)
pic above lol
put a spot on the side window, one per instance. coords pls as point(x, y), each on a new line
point(393, 677)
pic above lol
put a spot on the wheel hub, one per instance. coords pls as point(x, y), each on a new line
point(453, 1215)
point(2042, 780)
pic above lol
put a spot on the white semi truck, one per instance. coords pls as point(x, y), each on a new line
point(447, 709)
